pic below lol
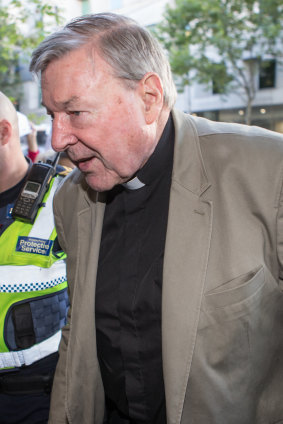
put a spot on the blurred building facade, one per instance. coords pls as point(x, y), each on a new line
point(197, 99)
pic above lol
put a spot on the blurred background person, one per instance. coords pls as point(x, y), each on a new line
point(28, 135)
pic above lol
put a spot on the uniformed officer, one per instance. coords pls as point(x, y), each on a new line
point(33, 286)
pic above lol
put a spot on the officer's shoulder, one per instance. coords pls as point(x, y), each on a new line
point(63, 170)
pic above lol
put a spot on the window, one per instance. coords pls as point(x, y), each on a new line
point(116, 4)
point(215, 87)
point(267, 74)
point(85, 7)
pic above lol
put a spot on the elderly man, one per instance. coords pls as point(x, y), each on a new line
point(173, 231)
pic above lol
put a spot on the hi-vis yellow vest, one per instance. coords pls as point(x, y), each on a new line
point(29, 272)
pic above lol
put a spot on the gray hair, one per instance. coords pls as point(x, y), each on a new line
point(128, 48)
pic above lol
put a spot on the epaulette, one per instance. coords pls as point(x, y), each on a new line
point(62, 170)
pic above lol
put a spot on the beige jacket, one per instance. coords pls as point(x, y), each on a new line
point(222, 300)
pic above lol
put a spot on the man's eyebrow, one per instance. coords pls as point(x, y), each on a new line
point(66, 104)
point(69, 102)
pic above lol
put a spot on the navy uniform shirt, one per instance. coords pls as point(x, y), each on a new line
point(129, 286)
point(7, 201)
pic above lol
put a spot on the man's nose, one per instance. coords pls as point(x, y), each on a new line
point(62, 136)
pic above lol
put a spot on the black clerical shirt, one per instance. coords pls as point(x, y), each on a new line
point(129, 286)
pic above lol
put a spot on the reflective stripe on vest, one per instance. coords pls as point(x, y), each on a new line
point(31, 355)
point(19, 284)
point(15, 279)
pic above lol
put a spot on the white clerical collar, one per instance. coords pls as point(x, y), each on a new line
point(133, 184)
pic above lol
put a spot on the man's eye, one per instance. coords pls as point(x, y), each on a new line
point(73, 113)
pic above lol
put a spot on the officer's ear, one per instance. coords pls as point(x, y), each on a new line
point(151, 91)
point(5, 131)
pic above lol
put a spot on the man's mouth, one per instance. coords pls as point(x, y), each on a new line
point(84, 163)
point(84, 159)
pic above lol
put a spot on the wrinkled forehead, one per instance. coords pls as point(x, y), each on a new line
point(80, 58)
point(74, 69)
point(82, 62)
point(75, 76)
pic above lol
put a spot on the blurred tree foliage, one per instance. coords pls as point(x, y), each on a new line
point(23, 25)
point(222, 43)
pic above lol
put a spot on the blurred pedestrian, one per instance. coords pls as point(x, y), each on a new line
point(28, 134)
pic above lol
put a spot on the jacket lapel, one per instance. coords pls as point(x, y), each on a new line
point(90, 221)
point(185, 262)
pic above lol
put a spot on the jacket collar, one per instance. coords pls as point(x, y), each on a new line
point(188, 168)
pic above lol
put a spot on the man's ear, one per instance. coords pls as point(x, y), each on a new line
point(5, 131)
point(152, 95)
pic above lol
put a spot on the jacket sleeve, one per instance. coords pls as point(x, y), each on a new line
point(58, 411)
point(280, 235)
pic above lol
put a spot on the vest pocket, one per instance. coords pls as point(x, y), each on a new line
point(33, 320)
point(23, 325)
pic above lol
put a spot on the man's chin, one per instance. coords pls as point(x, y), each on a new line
point(100, 185)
